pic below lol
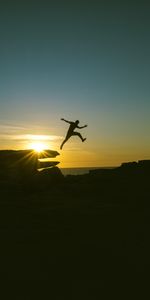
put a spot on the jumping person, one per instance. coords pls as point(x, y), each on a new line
point(71, 131)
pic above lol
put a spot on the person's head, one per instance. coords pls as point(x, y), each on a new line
point(77, 122)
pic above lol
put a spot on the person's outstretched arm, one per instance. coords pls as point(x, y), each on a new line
point(80, 127)
point(66, 120)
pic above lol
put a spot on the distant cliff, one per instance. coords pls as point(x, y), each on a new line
point(139, 167)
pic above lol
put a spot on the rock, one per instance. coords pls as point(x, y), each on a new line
point(20, 164)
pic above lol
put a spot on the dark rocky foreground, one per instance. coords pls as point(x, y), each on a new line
point(78, 237)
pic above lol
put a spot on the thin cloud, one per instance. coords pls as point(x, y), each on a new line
point(10, 128)
point(29, 137)
point(20, 133)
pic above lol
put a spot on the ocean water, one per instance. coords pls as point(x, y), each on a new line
point(79, 171)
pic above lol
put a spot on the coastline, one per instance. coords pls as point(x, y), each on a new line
point(81, 171)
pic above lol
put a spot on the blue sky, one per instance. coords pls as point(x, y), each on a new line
point(86, 60)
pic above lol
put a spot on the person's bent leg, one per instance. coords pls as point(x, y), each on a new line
point(79, 135)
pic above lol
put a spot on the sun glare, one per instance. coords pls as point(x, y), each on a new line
point(38, 146)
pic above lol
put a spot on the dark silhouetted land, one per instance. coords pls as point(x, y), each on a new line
point(76, 237)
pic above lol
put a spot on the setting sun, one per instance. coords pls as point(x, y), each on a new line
point(38, 146)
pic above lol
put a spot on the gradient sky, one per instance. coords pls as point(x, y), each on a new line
point(86, 60)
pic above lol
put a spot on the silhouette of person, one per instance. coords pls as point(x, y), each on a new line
point(71, 131)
